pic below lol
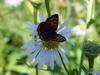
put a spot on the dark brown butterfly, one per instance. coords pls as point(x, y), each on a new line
point(47, 30)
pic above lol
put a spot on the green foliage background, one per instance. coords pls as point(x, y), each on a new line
point(13, 36)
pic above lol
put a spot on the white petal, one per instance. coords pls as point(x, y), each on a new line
point(33, 28)
point(81, 22)
point(65, 30)
point(30, 23)
point(66, 35)
point(29, 29)
point(59, 26)
point(41, 59)
point(51, 60)
point(13, 3)
point(37, 42)
point(63, 56)
point(47, 55)
point(58, 58)
point(28, 44)
point(38, 48)
point(38, 57)
point(69, 28)
point(41, 18)
point(29, 51)
point(64, 24)
point(42, 63)
point(44, 59)
point(70, 42)
point(66, 49)
point(35, 62)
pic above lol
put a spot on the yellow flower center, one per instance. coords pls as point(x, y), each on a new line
point(83, 27)
point(50, 44)
point(77, 4)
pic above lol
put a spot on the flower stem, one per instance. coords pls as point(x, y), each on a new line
point(35, 15)
point(68, 9)
point(91, 63)
point(35, 21)
point(36, 69)
point(90, 14)
point(47, 7)
point(81, 62)
point(90, 9)
point(64, 64)
point(82, 54)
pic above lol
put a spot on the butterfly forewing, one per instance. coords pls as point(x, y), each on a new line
point(57, 38)
point(41, 32)
point(52, 22)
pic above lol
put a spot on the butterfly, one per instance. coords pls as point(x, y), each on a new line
point(47, 30)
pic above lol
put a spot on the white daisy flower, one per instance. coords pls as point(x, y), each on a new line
point(80, 29)
point(47, 52)
point(77, 6)
point(13, 3)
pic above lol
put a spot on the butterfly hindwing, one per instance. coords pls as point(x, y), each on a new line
point(57, 38)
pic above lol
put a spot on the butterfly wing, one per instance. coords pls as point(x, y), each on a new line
point(57, 38)
point(41, 32)
point(52, 23)
point(47, 30)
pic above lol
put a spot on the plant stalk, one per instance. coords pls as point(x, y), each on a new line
point(64, 64)
point(47, 2)
point(91, 63)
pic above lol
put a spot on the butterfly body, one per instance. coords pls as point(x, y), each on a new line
point(47, 30)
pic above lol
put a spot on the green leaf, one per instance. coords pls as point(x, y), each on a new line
point(92, 21)
point(84, 69)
